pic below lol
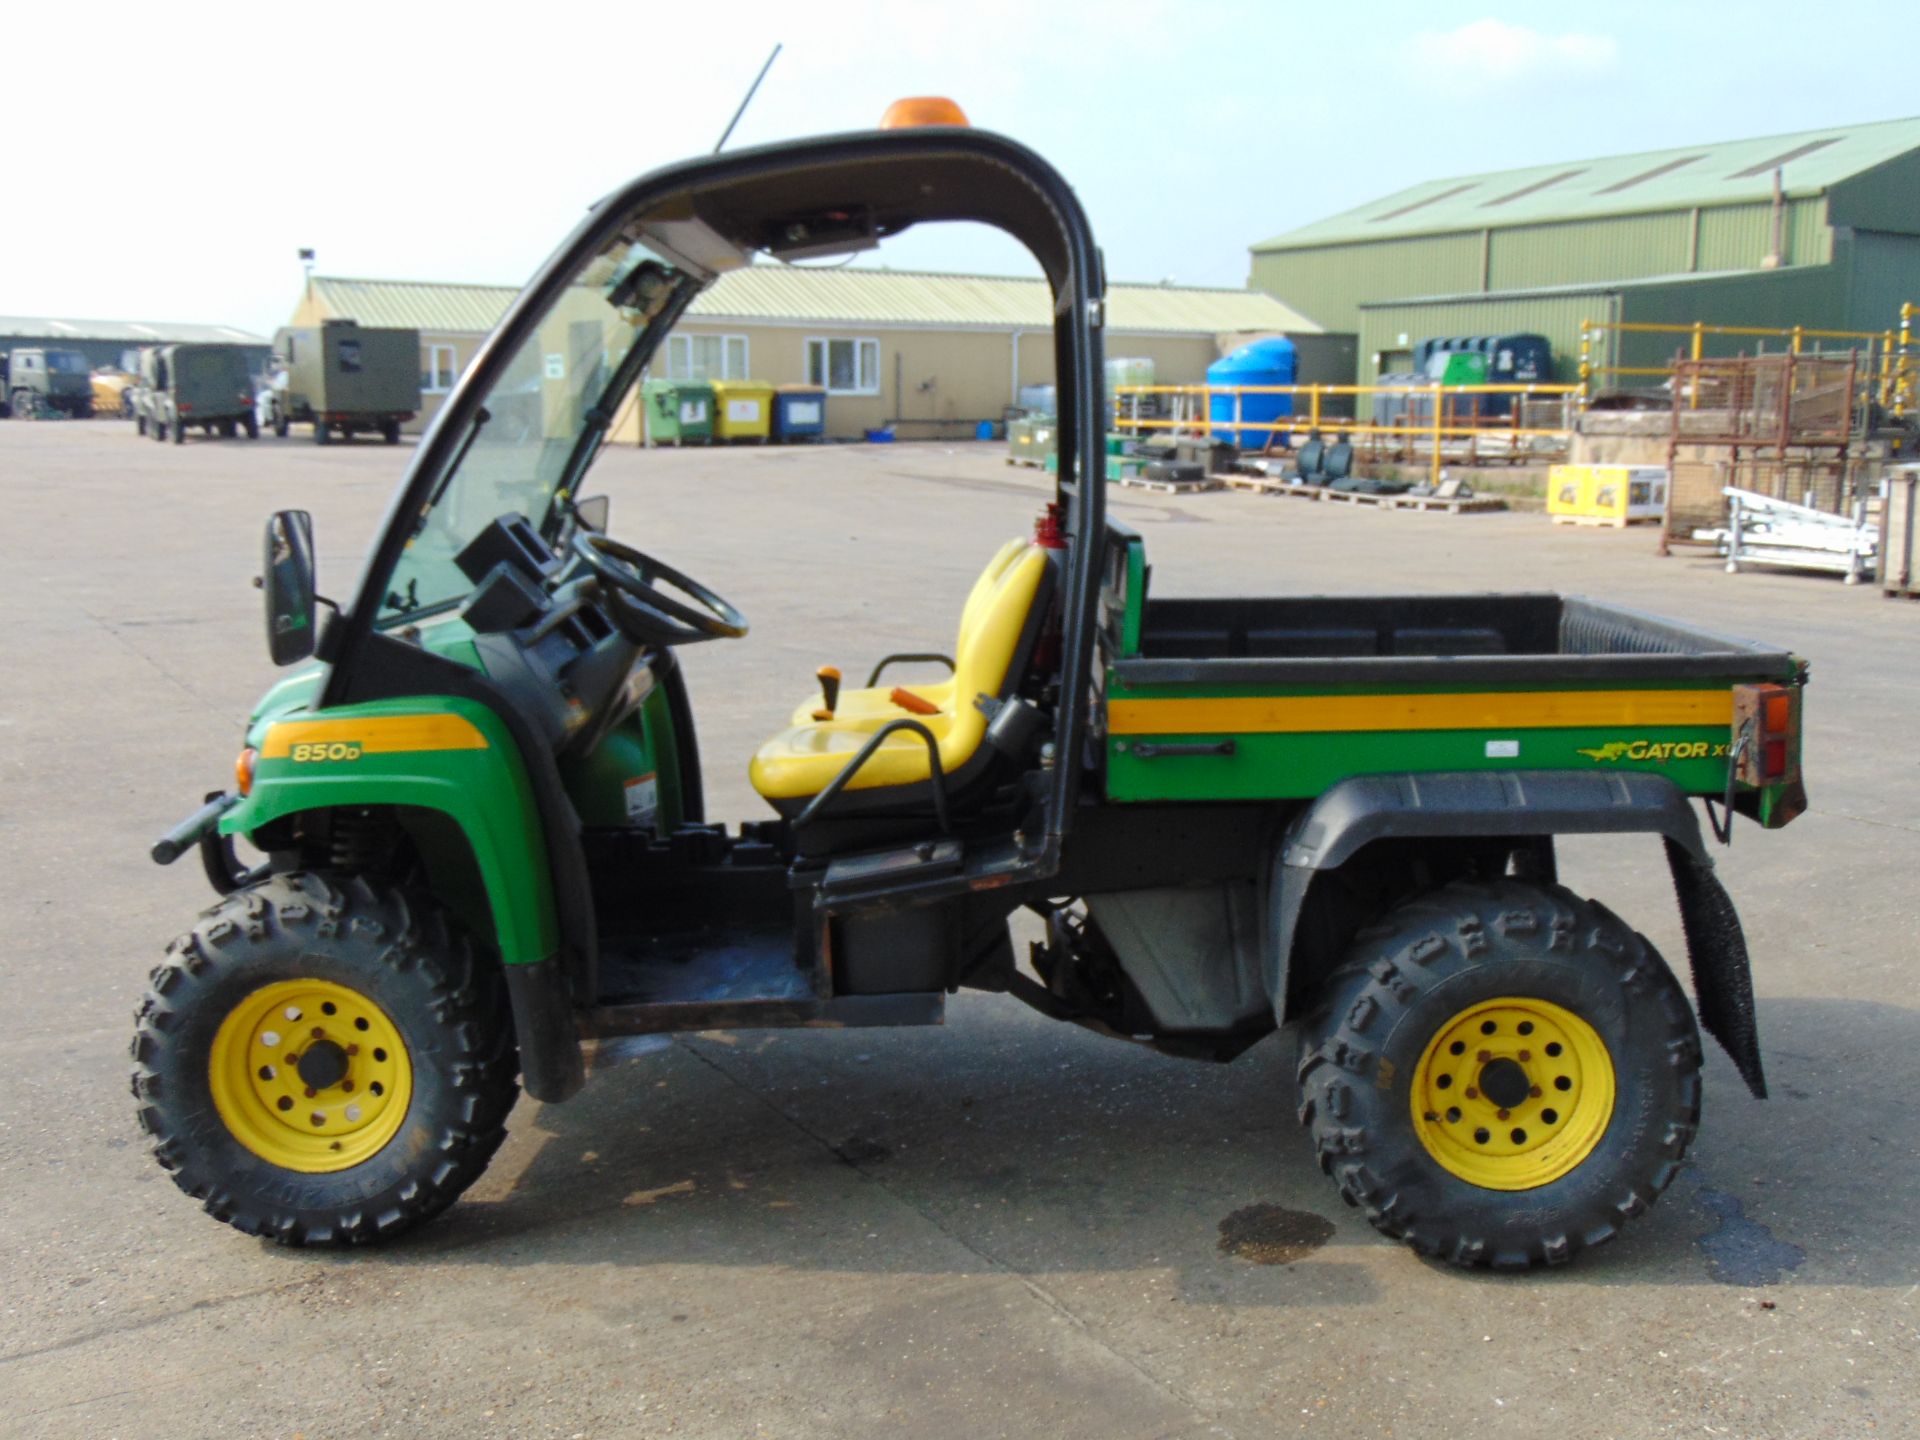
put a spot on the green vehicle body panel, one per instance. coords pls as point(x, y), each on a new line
point(1303, 766)
point(485, 791)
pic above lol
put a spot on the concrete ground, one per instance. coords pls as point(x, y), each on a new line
point(1005, 1227)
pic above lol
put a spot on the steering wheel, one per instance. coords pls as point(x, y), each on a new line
point(631, 582)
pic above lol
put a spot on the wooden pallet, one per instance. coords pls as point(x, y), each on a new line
point(1171, 487)
point(1252, 484)
point(1434, 504)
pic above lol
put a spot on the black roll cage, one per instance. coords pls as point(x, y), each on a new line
point(1010, 180)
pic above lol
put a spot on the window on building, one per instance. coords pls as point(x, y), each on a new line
point(844, 367)
point(706, 357)
point(438, 369)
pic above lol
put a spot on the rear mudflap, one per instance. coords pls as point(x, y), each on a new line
point(1722, 976)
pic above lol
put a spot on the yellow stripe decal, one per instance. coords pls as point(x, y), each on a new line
point(1308, 714)
point(376, 735)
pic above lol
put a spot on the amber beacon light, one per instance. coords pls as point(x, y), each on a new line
point(922, 110)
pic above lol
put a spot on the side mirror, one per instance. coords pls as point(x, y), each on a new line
point(593, 513)
point(286, 582)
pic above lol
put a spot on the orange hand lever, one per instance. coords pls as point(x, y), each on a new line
point(829, 678)
point(913, 704)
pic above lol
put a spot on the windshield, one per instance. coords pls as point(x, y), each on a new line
point(538, 409)
point(66, 362)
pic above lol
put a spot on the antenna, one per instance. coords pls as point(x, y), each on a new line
point(748, 100)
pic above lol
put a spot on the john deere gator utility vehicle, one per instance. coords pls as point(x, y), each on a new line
point(480, 799)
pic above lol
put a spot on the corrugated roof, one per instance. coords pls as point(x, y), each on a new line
point(1734, 172)
point(1577, 287)
point(785, 294)
point(124, 332)
point(413, 304)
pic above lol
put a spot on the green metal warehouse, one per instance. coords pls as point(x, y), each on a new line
point(1819, 229)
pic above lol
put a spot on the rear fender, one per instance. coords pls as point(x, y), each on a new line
point(1483, 805)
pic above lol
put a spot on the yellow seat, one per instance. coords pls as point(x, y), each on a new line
point(799, 762)
point(870, 701)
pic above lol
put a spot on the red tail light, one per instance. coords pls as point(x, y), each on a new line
point(1766, 734)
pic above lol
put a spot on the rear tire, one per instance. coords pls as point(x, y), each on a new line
point(140, 425)
point(179, 431)
point(280, 427)
point(1572, 1159)
point(322, 433)
point(403, 976)
point(252, 422)
point(390, 432)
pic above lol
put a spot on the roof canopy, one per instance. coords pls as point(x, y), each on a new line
point(1731, 173)
point(123, 332)
point(843, 295)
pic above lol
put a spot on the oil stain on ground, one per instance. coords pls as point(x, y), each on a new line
point(1740, 1251)
point(1270, 1235)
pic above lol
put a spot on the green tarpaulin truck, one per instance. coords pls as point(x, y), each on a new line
point(47, 381)
point(479, 800)
point(180, 386)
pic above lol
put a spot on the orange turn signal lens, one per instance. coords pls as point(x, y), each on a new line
point(243, 764)
point(922, 110)
point(1779, 713)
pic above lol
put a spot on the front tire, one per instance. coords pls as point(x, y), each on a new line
point(1501, 1074)
point(324, 1062)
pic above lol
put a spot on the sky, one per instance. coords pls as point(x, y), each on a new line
point(186, 151)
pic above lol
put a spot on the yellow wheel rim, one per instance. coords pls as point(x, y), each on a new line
point(310, 1075)
point(1513, 1093)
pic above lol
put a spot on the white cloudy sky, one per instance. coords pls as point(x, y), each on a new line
point(183, 151)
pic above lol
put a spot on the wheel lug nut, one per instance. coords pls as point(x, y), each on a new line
point(318, 1033)
point(1526, 1054)
point(1534, 1092)
point(353, 1049)
point(1485, 1055)
point(1472, 1094)
point(311, 1092)
point(1504, 1115)
point(346, 1085)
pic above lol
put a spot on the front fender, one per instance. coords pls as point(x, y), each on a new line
point(433, 752)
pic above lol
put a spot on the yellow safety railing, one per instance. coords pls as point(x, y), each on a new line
point(1892, 355)
point(1450, 426)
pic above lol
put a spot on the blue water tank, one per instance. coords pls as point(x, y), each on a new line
point(1264, 362)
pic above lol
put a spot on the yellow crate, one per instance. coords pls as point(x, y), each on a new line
point(1606, 494)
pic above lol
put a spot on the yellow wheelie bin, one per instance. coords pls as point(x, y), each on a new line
point(742, 410)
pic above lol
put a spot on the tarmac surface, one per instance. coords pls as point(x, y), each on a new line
point(1006, 1227)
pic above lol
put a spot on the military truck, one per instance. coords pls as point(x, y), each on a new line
point(344, 379)
point(42, 381)
point(478, 837)
point(186, 385)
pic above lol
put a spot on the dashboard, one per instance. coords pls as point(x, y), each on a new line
point(542, 634)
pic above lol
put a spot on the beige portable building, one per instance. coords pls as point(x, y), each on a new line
point(930, 354)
